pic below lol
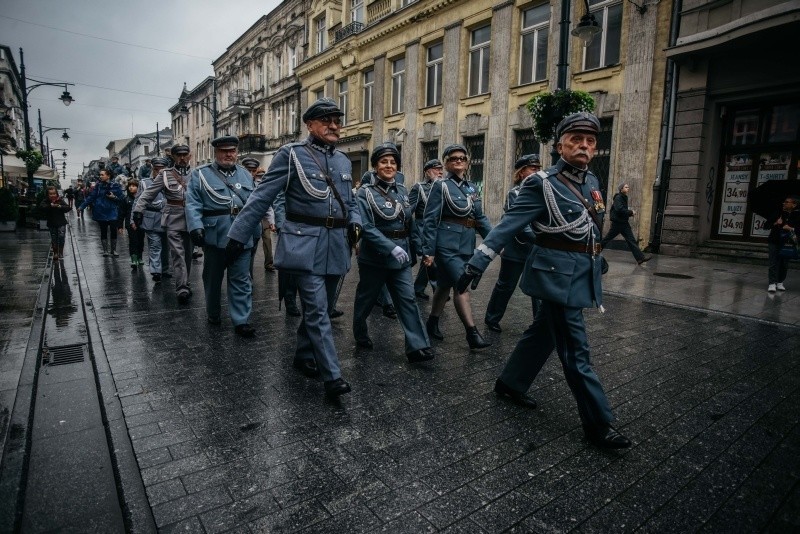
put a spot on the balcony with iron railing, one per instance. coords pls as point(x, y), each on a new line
point(239, 100)
point(249, 143)
point(351, 29)
point(378, 9)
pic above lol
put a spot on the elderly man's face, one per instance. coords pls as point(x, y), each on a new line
point(225, 156)
point(434, 173)
point(325, 129)
point(577, 148)
point(182, 160)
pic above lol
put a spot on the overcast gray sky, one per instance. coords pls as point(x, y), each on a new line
point(146, 83)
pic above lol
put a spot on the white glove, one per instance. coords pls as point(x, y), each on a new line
point(399, 254)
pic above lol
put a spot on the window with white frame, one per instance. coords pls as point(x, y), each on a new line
point(369, 86)
point(277, 119)
point(433, 74)
point(398, 85)
point(321, 33)
point(533, 56)
point(604, 48)
point(357, 11)
point(319, 93)
point(292, 119)
point(343, 99)
point(259, 76)
point(479, 41)
point(292, 59)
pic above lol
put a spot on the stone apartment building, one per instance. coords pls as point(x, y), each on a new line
point(736, 122)
point(427, 73)
point(254, 93)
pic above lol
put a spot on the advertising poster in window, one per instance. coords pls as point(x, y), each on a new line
point(734, 194)
point(771, 166)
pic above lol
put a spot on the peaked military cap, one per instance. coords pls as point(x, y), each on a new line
point(159, 162)
point(578, 122)
point(432, 164)
point(225, 141)
point(526, 160)
point(322, 108)
point(250, 163)
point(180, 149)
point(449, 149)
point(385, 149)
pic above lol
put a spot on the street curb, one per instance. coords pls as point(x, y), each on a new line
point(133, 500)
point(14, 469)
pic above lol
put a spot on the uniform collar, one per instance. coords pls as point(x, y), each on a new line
point(227, 171)
point(572, 173)
point(320, 145)
point(455, 178)
point(385, 186)
point(183, 171)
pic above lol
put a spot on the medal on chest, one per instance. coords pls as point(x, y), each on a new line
point(599, 207)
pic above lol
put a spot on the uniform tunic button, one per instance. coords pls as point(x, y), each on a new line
point(552, 268)
point(298, 231)
point(569, 211)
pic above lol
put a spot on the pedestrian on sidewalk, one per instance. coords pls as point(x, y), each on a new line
point(80, 196)
point(135, 232)
point(563, 270)
point(512, 259)
point(384, 259)
point(453, 216)
point(104, 200)
point(785, 222)
point(54, 208)
point(418, 198)
point(322, 224)
point(70, 194)
point(619, 215)
point(216, 194)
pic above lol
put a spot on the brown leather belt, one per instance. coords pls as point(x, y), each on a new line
point(463, 221)
point(544, 240)
point(176, 202)
point(395, 234)
point(327, 222)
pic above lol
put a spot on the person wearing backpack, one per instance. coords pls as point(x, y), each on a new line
point(620, 213)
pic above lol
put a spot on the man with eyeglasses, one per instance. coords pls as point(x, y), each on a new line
point(322, 223)
point(564, 206)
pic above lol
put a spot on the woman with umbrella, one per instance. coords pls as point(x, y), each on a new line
point(787, 220)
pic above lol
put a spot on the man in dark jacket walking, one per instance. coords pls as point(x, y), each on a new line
point(620, 213)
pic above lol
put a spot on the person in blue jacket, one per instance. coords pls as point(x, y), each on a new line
point(384, 260)
point(322, 222)
point(216, 194)
point(565, 207)
point(104, 200)
point(515, 253)
point(452, 217)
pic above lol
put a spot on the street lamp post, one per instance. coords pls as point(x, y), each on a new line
point(51, 150)
point(184, 109)
point(157, 140)
point(65, 97)
point(43, 130)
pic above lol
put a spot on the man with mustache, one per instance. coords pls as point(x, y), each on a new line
point(564, 206)
point(322, 223)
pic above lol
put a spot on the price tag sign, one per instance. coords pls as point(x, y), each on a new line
point(738, 168)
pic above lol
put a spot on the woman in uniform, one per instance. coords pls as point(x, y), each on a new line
point(512, 261)
point(453, 215)
point(384, 255)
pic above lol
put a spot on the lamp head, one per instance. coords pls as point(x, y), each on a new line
point(65, 137)
point(586, 29)
point(66, 98)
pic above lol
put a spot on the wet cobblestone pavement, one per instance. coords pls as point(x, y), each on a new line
point(228, 436)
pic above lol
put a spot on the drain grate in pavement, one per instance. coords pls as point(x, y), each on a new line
point(674, 275)
point(64, 354)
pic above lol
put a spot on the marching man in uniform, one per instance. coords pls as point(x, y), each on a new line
point(216, 194)
point(322, 223)
point(564, 206)
point(172, 184)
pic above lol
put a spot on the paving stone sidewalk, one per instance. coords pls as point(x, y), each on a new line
point(229, 437)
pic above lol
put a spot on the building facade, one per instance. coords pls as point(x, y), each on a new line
point(12, 126)
point(427, 73)
point(194, 119)
point(735, 122)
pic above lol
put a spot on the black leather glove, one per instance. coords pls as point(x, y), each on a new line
point(471, 276)
point(353, 233)
point(233, 250)
point(198, 237)
point(137, 218)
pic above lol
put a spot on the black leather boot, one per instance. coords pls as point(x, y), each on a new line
point(475, 339)
point(432, 326)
